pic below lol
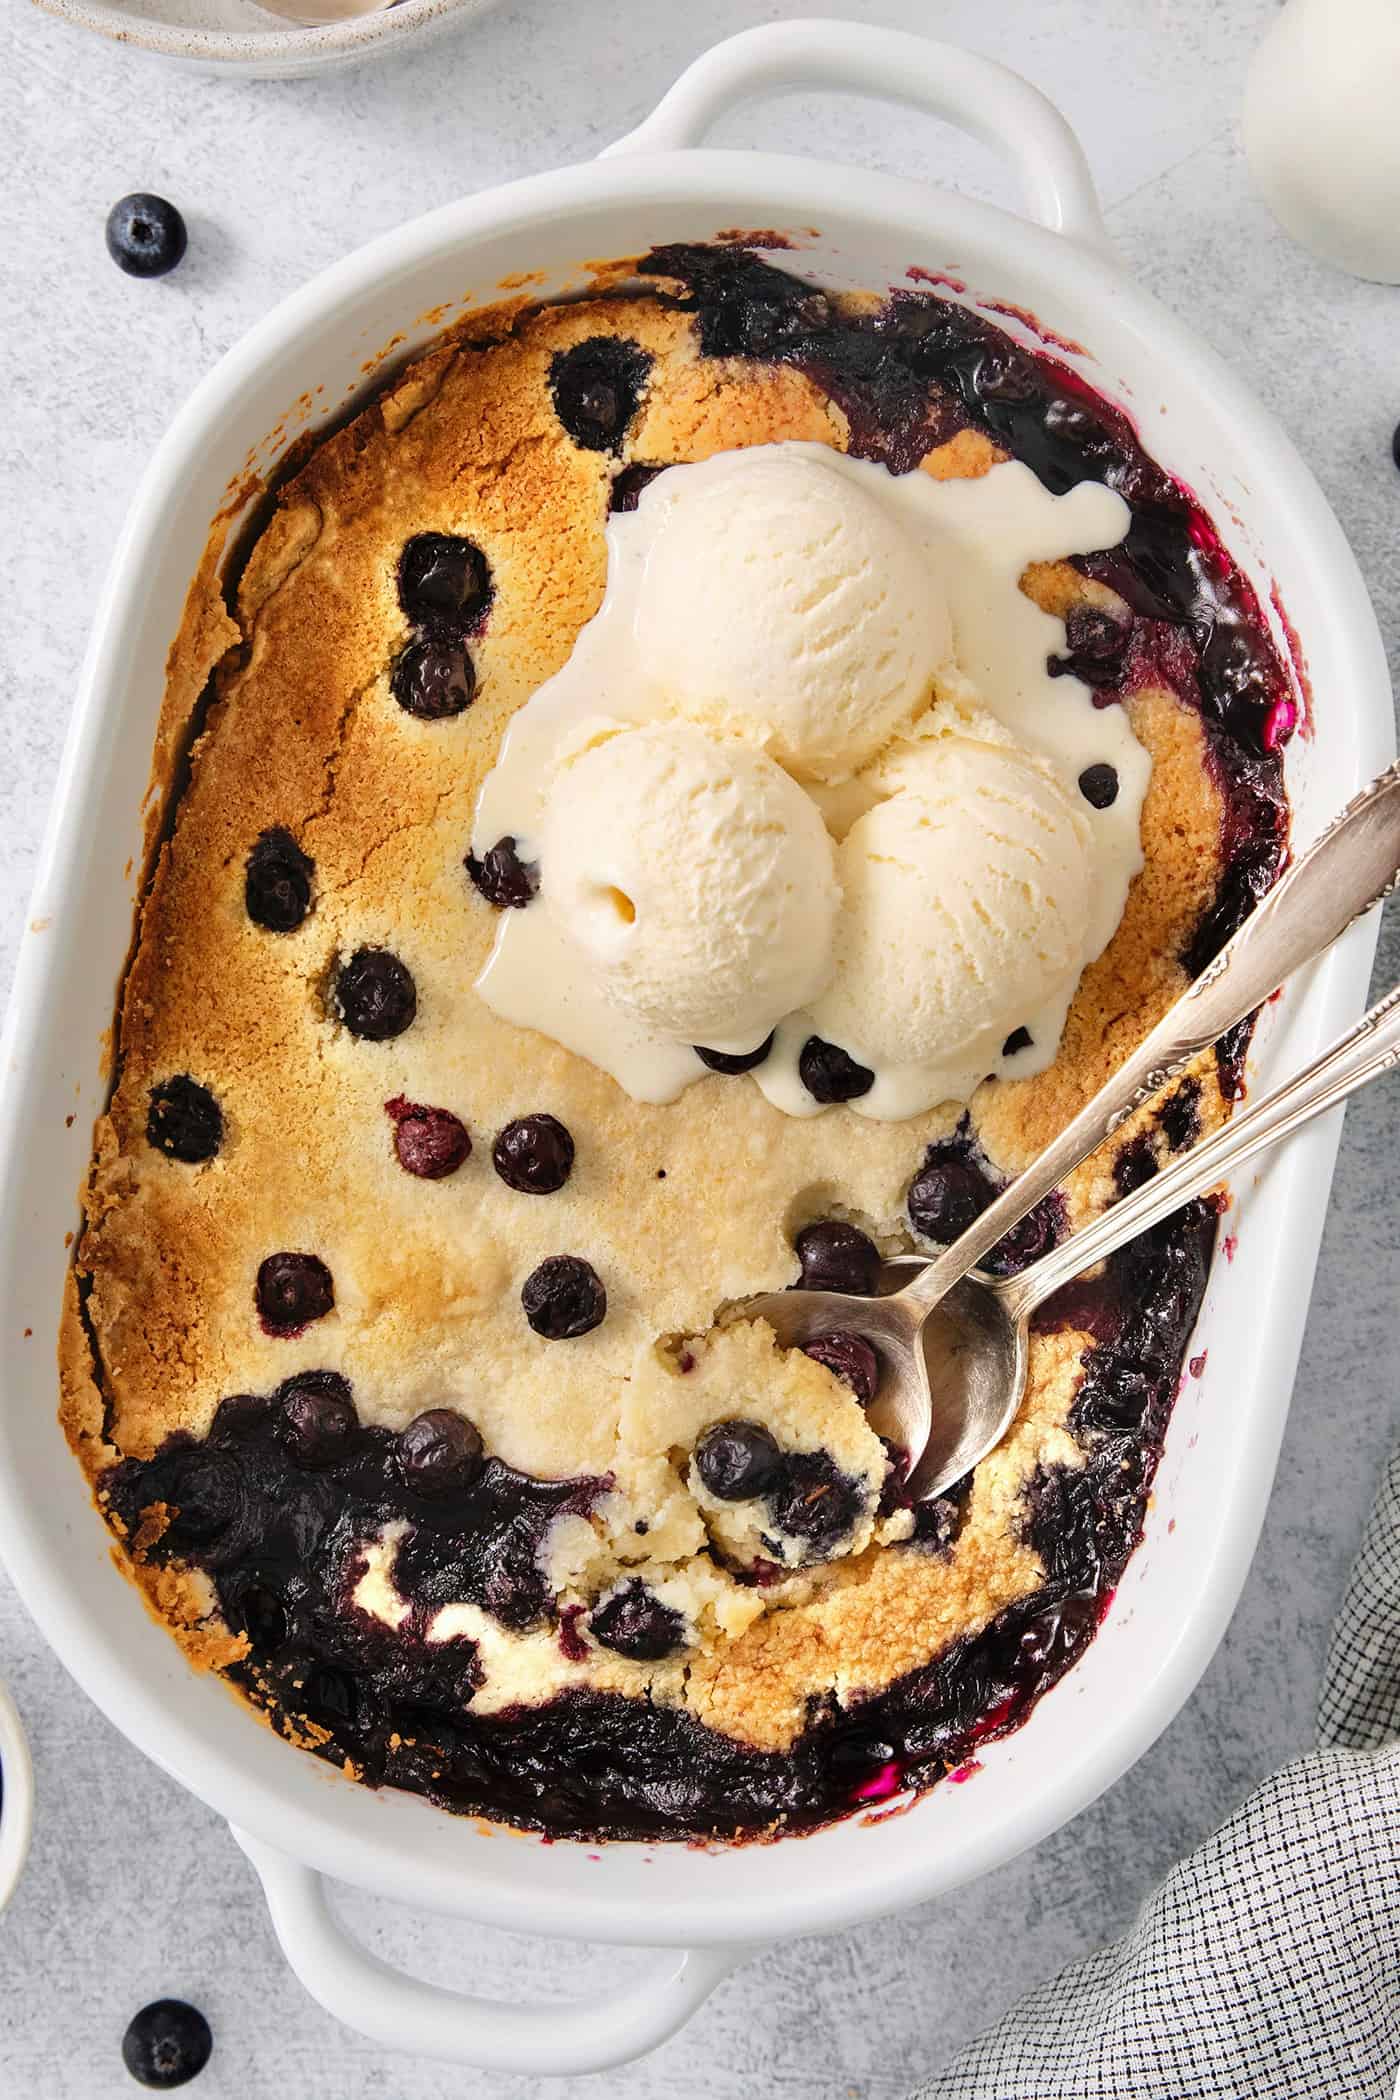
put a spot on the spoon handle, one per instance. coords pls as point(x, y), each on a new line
point(1361, 1055)
point(1352, 866)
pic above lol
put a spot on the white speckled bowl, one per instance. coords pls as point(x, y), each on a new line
point(238, 36)
point(17, 1798)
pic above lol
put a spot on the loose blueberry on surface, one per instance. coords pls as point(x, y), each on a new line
point(277, 882)
point(184, 1121)
point(1099, 786)
point(534, 1154)
point(813, 1500)
point(744, 1061)
point(318, 1421)
point(852, 1358)
point(503, 878)
point(737, 1460)
point(167, 2044)
point(433, 678)
point(1019, 1039)
point(292, 1290)
point(440, 1452)
point(635, 1622)
point(145, 235)
point(829, 1074)
point(564, 1297)
point(428, 1142)
point(443, 578)
point(947, 1195)
point(597, 389)
point(628, 485)
point(837, 1257)
point(374, 995)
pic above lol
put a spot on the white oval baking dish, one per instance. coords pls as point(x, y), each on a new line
point(296, 1819)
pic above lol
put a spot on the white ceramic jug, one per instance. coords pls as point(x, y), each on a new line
point(1321, 129)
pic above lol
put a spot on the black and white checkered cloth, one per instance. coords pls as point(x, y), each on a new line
point(1267, 1966)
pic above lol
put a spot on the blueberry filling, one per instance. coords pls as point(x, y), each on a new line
point(374, 995)
point(505, 880)
point(277, 882)
point(564, 1297)
point(444, 581)
point(184, 1121)
point(318, 1420)
point(830, 1074)
point(1096, 648)
point(597, 389)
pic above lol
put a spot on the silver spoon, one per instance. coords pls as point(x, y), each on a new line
point(1351, 867)
point(975, 1340)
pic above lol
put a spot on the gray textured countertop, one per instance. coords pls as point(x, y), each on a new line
point(134, 1890)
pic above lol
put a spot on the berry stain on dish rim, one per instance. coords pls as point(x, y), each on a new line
point(1192, 625)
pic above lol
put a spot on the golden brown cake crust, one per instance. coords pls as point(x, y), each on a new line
point(680, 1208)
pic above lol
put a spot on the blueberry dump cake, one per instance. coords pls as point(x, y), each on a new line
point(684, 794)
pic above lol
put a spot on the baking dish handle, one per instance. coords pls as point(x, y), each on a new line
point(423, 2019)
point(978, 95)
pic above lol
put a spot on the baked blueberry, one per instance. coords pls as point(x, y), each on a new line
point(813, 1500)
point(440, 1452)
point(292, 1290)
point(167, 2044)
point(635, 1622)
point(852, 1359)
point(737, 1460)
point(1096, 645)
point(534, 1154)
point(837, 1257)
point(318, 1420)
point(947, 1194)
point(184, 1120)
point(428, 1142)
point(829, 1074)
point(744, 1061)
point(503, 878)
point(564, 1297)
point(277, 882)
point(145, 235)
point(443, 579)
point(1019, 1039)
point(1031, 1236)
point(239, 1416)
point(433, 678)
point(1099, 786)
point(374, 995)
point(597, 389)
point(628, 485)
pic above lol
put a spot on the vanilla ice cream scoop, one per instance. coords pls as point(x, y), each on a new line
point(785, 603)
point(966, 913)
point(694, 876)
